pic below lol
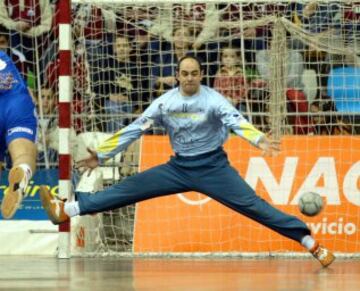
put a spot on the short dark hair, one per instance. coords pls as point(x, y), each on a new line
point(4, 32)
point(189, 56)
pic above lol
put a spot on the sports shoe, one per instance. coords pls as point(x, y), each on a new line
point(323, 255)
point(53, 205)
point(15, 194)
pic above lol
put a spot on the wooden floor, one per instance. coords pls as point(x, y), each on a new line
point(40, 273)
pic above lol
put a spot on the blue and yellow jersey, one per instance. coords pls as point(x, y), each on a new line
point(196, 124)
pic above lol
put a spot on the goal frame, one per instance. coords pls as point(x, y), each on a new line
point(65, 119)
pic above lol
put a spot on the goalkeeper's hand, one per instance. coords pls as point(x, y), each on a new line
point(269, 146)
point(88, 164)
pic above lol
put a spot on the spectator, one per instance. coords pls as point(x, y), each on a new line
point(295, 67)
point(297, 100)
point(116, 85)
point(81, 88)
point(169, 53)
point(264, 122)
point(16, 56)
point(233, 79)
point(297, 106)
point(231, 12)
point(134, 22)
point(28, 22)
point(142, 57)
point(203, 19)
point(323, 19)
point(255, 38)
point(326, 120)
point(48, 128)
point(351, 20)
point(48, 131)
point(130, 18)
point(317, 17)
point(164, 70)
point(234, 14)
point(92, 24)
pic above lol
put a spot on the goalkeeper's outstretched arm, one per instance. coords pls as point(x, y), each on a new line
point(233, 119)
point(121, 139)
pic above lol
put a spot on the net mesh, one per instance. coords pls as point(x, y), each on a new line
point(293, 69)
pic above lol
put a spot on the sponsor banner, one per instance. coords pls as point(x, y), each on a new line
point(31, 208)
point(194, 222)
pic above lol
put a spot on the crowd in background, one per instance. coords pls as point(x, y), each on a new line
point(124, 57)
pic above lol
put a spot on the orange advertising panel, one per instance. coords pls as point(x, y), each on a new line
point(192, 222)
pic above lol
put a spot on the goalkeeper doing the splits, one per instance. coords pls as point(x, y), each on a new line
point(197, 119)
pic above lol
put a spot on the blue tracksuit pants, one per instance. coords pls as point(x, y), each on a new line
point(208, 173)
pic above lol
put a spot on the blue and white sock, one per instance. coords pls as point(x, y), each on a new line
point(308, 242)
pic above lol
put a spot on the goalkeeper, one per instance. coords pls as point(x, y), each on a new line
point(18, 124)
point(197, 119)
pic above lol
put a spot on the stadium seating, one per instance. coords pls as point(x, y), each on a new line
point(344, 88)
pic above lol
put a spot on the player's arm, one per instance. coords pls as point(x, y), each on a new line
point(9, 75)
point(233, 119)
point(121, 139)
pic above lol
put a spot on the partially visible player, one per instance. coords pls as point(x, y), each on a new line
point(198, 120)
point(18, 124)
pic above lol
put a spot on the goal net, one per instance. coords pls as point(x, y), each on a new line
point(293, 69)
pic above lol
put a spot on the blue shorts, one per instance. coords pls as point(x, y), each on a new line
point(18, 119)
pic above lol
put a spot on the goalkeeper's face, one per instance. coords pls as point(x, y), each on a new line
point(189, 76)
